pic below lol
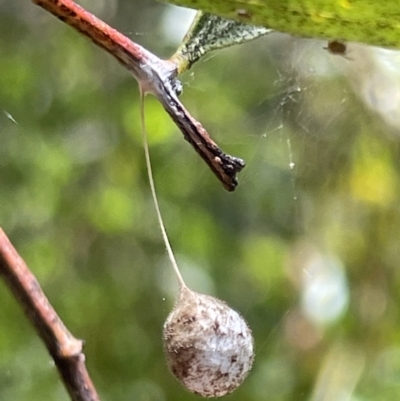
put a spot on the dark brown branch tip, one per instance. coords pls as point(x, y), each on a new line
point(231, 166)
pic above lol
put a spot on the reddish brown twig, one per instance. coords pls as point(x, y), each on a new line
point(64, 348)
point(154, 76)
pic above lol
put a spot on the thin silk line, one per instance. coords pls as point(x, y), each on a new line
point(155, 200)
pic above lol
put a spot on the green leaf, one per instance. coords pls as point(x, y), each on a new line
point(367, 21)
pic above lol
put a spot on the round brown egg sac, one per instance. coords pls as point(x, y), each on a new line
point(208, 345)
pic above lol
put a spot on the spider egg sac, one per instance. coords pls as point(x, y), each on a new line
point(209, 347)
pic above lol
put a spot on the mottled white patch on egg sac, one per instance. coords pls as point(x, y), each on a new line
point(208, 345)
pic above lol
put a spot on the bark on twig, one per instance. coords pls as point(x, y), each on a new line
point(155, 76)
point(64, 348)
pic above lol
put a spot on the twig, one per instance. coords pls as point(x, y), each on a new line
point(154, 76)
point(64, 348)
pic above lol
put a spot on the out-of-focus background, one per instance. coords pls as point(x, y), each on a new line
point(307, 248)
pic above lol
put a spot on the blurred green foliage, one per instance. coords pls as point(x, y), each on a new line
point(319, 198)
